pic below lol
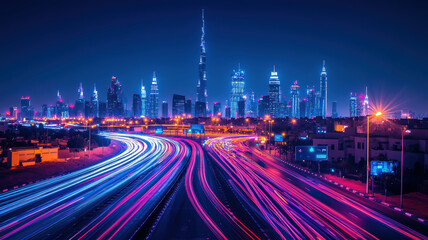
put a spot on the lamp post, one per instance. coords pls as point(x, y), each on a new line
point(378, 114)
point(403, 131)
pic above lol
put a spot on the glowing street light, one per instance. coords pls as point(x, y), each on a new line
point(377, 114)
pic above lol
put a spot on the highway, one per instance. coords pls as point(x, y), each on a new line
point(276, 202)
point(174, 188)
point(111, 199)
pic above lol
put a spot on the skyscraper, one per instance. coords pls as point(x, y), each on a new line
point(237, 95)
point(366, 104)
point(200, 109)
point(252, 105)
point(164, 109)
point(154, 98)
point(353, 105)
point(144, 107)
point(115, 107)
point(79, 106)
point(178, 103)
point(201, 90)
point(136, 105)
point(25, 108)
point(311, 105)
point(188, 107)
point(323, 91)
point(303, 107)
point(217, 109)
point(295, 106)
point(274, 94)
point(334, 109)
point(94, 102)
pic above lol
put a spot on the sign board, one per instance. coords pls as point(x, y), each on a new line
point(197, 128)
point(381, 167)
point(311, 153)
point(158, 129)
point(278, 138)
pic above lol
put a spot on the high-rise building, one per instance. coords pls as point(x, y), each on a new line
point(217, 109)
point(366, 104)
point(237, 95)
point(188, 107)
point(241, 108)
point(227, 112)
point(102, 109)
point(154, 98)
point(115, 106)
point(144, 107)
point(274, 94)
point(353, 105)
point(311, 105)
point(263, 106)
point(201, 89)
point(136, 105)
point(303, 107)
point(25, 108)
point(252, 105)
point(88, 109)
point(164, 109)
point(178, 105)
point(334, 109)
point(323, 91)
point(44, 110)
point(94, 102)
point(79, 106)
point(295, 106)
point(200, 109)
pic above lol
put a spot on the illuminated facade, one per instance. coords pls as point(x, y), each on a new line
point(25, 108)
point(366, 104)
point(154, 98)
point(94, 102)
point(178, 105)
point(295, 104)
point(115, 106)
point(274, 94)
point(144, 106)
point(201, 90)
point(252, 105)
point(237, 94)
point(323, 92)
point(353, 105)
point(311, 106)
point(136, 105)
point(79, 106)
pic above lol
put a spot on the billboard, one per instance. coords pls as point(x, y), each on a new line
point(311, 153)
point(278, 138)
point(158, 129)
point(197, 128)
point(381, 167)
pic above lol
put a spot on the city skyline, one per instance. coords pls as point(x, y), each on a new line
point(257, 70)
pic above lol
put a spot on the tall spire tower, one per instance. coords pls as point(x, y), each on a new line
point(80, 91)
point(366, 104)
point(323, 91)
point(201, 90)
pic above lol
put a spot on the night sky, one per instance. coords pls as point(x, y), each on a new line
point(49, 46)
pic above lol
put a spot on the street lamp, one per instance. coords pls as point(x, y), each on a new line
point(377, 114)
point(403, 131)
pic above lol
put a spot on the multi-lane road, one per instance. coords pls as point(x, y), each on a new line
point(161, 188)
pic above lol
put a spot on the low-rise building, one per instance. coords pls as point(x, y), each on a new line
point(17, 156)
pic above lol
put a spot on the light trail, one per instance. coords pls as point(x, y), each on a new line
point(142, 173)
point(291, 212)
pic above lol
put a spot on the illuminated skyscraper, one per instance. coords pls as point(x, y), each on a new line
point(311, 104)
point(201, 90)
point(25, 108)
point(79, 106)
point(94, 102)
point(366, 104)
point(144, 106)
point(237, 95)
point(295, 105)
point(252, 105)
point(353, 105)
point(274, 94)
point(115, 107)
point(164, 109)
point(323, 91)
point(178, 105)
point(154, 98)
point(217, 109)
